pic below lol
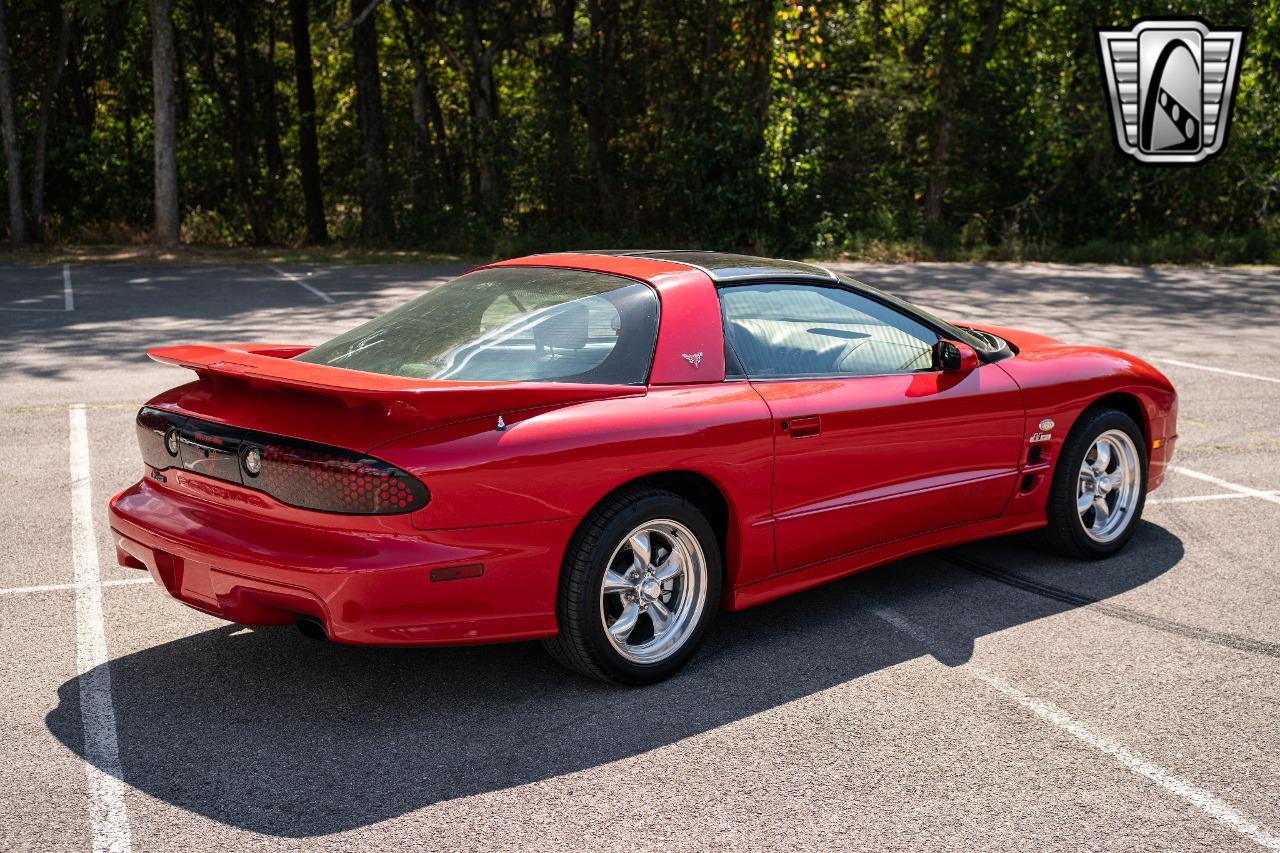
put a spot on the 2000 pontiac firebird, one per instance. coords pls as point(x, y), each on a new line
point(603, 449)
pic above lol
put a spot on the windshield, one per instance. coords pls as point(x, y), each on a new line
point(981, 341)
point(510, 324)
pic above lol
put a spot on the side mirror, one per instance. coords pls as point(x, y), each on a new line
point(954, 355)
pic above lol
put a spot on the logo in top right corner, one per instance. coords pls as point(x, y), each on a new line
point(1171, 82)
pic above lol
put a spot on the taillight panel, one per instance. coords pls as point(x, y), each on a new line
point(154, 427)
point(210, 449)
point(333, 480)
point(294, 472)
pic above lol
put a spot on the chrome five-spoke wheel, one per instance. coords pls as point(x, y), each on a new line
point(639, 587)
point(1109, 485)
point(1099, 486)
point(654, 590)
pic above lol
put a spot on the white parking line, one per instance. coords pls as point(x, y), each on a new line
point(302, 283)
point(1216, 369)
point(67, 296)
point(1235, 496)
point(108, 815)
point(1235, 487)
point(1196, 796)
point(57, 587)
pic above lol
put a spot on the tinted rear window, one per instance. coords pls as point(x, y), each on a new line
point(510, 324)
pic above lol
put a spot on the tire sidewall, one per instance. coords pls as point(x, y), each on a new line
point(597, 552)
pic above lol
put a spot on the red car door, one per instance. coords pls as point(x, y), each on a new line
point(872, 443)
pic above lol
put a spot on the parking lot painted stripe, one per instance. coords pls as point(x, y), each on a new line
point(1235, 487)
point(108, 815)
point(1216, 369)
point(58, 587)
point(1211, 805)
point(1196, 796)
point(1186, 499)
point(302, 283)
point(67, 296)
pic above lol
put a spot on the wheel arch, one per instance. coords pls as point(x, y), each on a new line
point(1125, 402)
point(701, 491)
point(1064, 532)
point(1129, 404)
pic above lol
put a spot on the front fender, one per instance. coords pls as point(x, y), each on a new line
point(1060, 381)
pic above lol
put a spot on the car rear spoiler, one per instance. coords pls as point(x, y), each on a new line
point(261, 369)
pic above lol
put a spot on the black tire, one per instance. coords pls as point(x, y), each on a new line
point(1065, 533)
point(582, 644)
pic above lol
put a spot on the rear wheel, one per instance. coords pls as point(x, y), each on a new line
point(1099, 486)
point(638, 589)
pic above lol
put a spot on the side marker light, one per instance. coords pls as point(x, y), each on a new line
point(453, 573)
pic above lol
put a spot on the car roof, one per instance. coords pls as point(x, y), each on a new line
point(723, 266)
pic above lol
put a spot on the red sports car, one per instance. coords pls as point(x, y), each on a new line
point(602, 449)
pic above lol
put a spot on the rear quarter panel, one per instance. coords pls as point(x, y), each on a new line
point(559, 463)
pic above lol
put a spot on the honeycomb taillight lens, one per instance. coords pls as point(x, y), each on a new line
point(332, 480)
point(295, 472)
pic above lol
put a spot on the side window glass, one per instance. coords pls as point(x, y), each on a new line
point(785, 330)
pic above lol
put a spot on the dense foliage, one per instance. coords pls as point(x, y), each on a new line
point(931, 127)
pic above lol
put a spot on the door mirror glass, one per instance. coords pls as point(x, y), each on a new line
point(955, 355)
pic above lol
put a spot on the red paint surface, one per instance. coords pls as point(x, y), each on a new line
point(866, 470)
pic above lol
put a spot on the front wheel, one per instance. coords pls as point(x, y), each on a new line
point(639, 587)
point(1099, 486)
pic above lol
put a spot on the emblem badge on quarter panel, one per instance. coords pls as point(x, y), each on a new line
point(695, 359)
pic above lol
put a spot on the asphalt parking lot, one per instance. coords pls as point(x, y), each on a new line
point(989, 697)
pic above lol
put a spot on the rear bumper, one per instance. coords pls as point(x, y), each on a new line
point(371, 587)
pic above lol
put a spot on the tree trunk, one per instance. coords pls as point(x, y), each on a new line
point(484, 108)
point(562, 180)
point(600, 103)
point(948, 96)
point(308, 146)
point(375, 202)
point(130, 96)
point(80, 93)
point(9, 129)
point(166, 144)
point(42, 123)
point(270, 103)
point(243, 125)
point(756, 32)
point(940, 156)
point(940, 151)
point(448, 168)
point(424, 183)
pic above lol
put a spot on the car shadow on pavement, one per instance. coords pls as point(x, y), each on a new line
point(267, 731)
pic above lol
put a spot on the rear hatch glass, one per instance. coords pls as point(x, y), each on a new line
point(536, 324)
